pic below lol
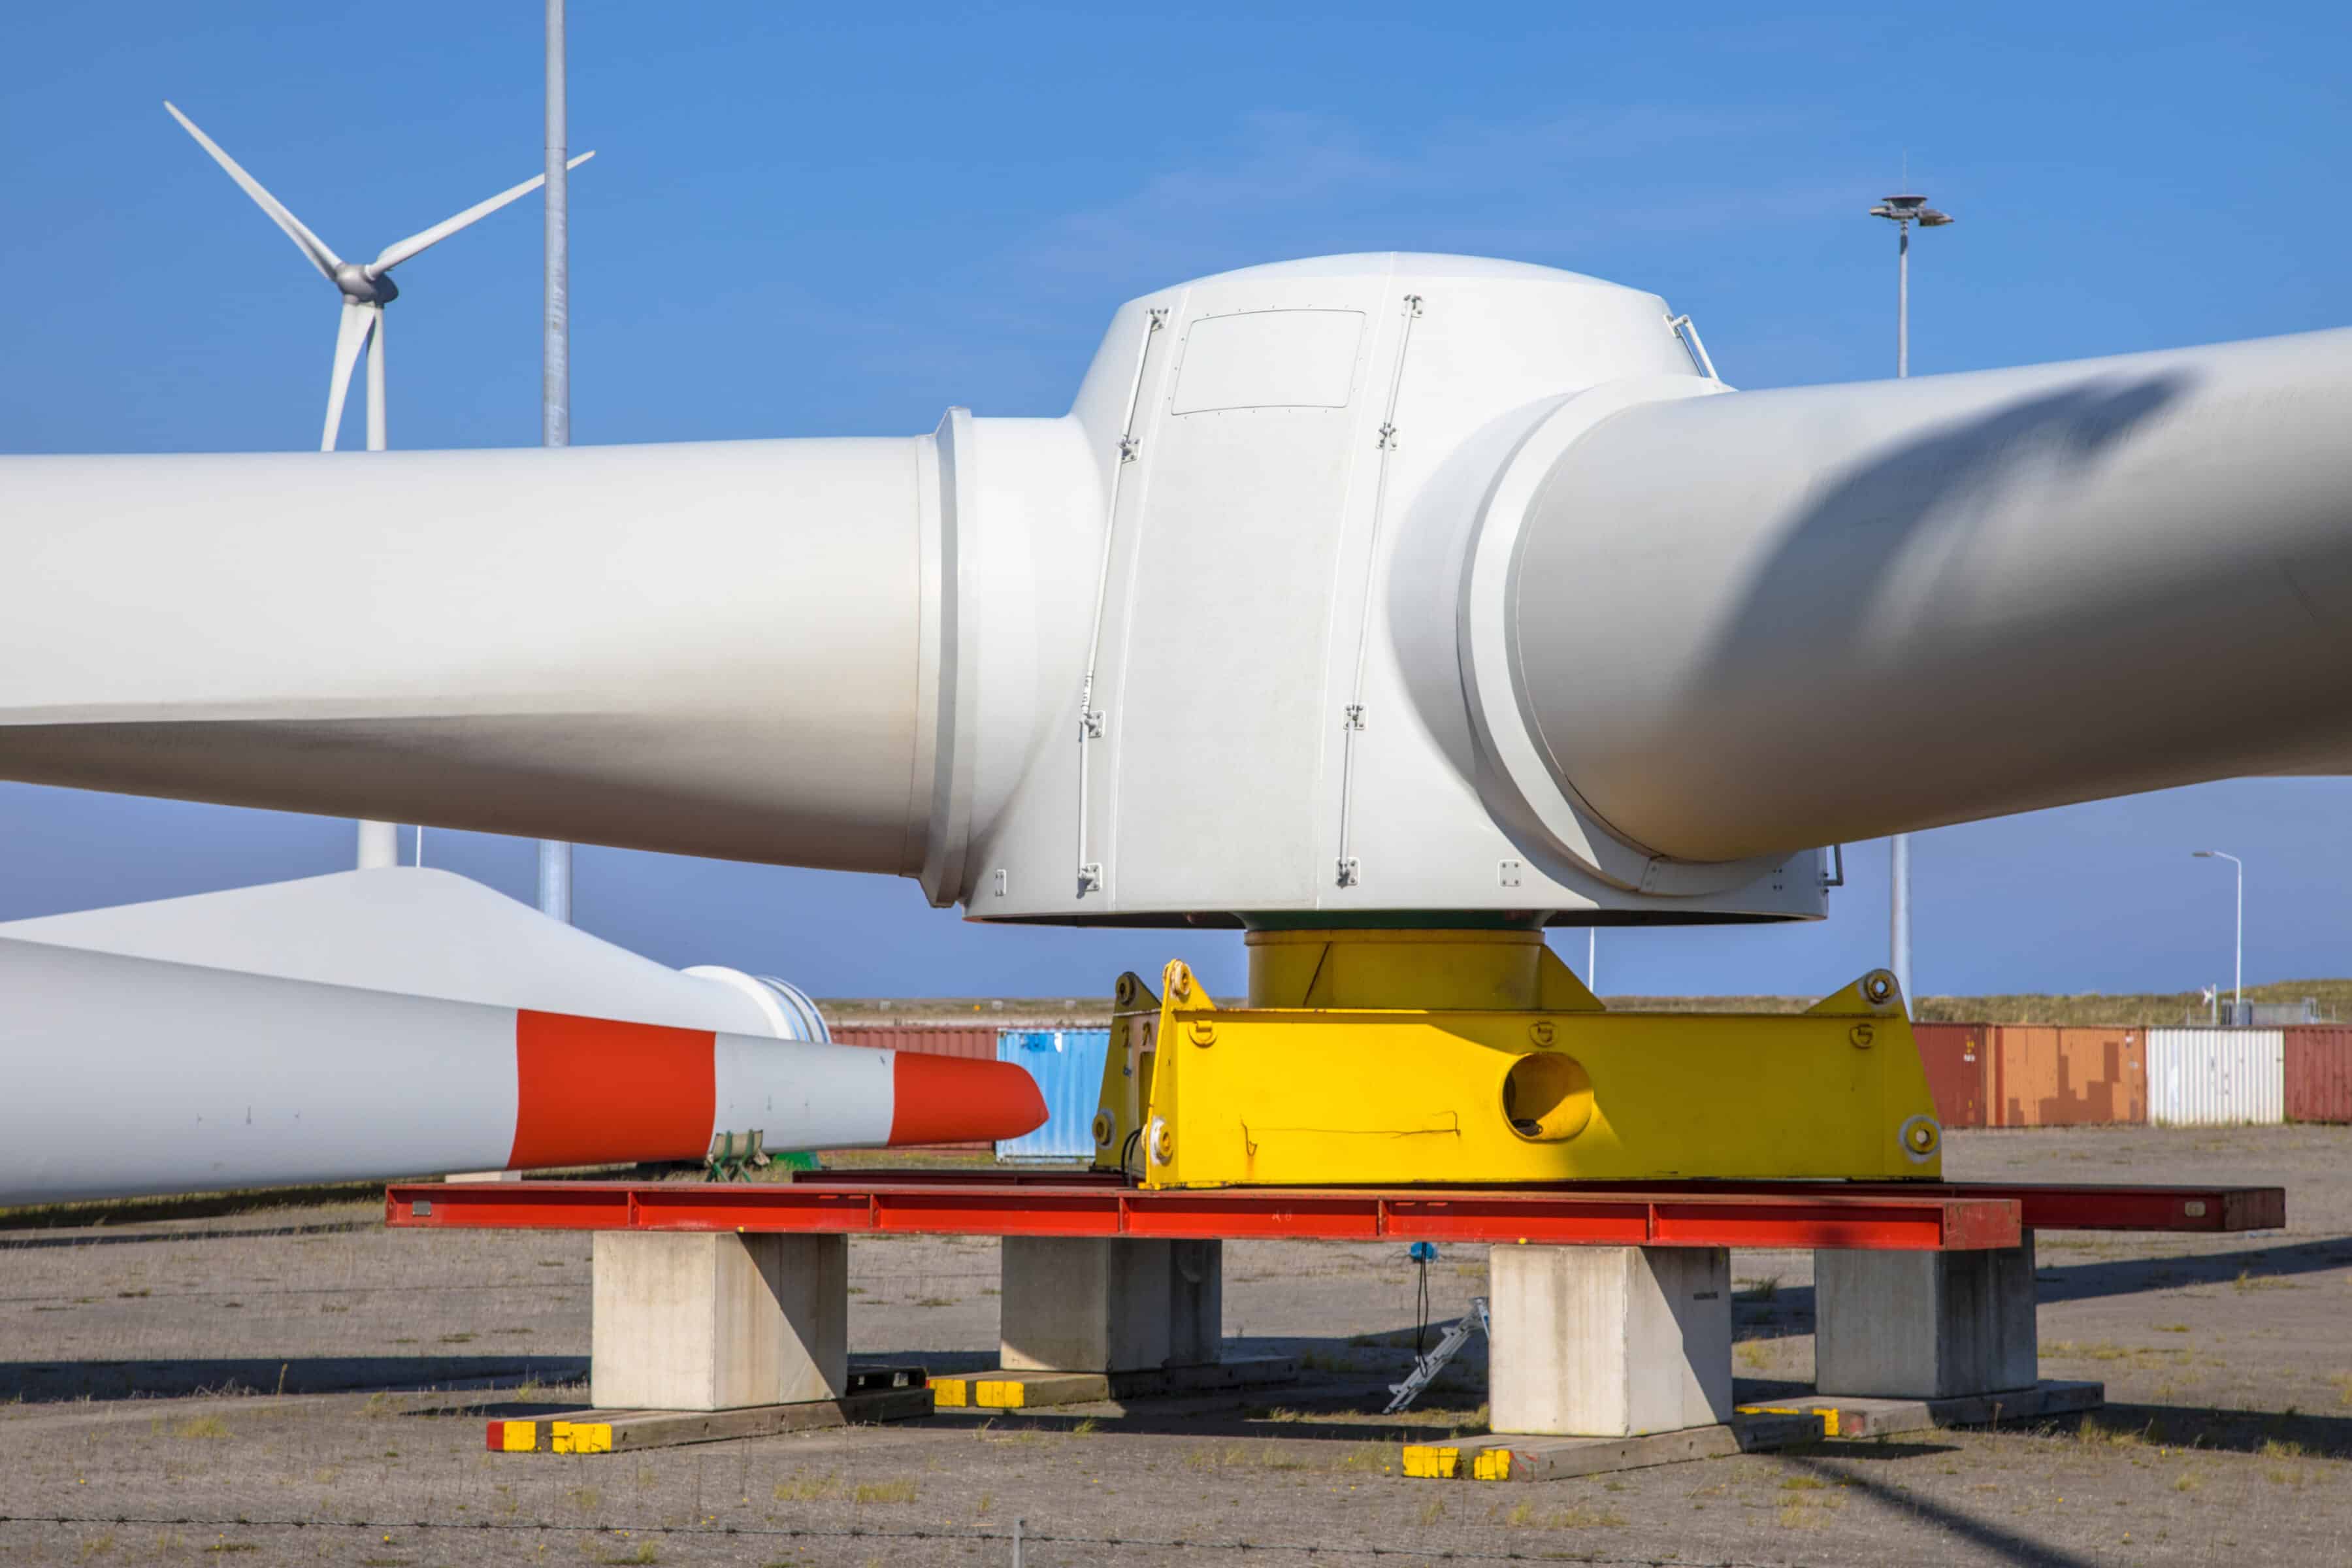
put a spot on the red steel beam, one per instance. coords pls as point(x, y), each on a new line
point(2040, 1206)
point(1905, 1221)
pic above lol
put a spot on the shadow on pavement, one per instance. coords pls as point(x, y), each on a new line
point(2279, 1435)
point(37, 1383)
point(131, 1238)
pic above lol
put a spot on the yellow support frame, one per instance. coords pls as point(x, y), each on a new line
point(1554, 1088)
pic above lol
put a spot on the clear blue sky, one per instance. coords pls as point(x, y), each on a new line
point(811, 220)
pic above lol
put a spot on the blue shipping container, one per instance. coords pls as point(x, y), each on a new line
point(1067, 1065)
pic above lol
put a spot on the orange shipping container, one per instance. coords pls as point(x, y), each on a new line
point(1955, 1057)
point(2319, 1073)
point(2043, 1075)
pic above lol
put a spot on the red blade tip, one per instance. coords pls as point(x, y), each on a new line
point(955, 1099)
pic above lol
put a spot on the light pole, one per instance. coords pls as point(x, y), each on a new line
point(555, 380)
point(2237, 984)
point(1902, 212)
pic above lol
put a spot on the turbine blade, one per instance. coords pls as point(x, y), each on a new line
point(400, 250)
point(351, 337)
point(310, 244)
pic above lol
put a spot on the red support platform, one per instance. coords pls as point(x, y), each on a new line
point(1894, 1216)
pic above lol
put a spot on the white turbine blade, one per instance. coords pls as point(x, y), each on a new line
point(351, 337)
point(310, 245)
point(400, 250)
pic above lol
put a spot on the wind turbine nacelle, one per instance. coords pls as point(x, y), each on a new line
point(1405, 584)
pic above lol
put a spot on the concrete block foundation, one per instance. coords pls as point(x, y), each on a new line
point(688, 1322)
point(1609, 1341)
point(1924, 1325)
point(1110, 1304)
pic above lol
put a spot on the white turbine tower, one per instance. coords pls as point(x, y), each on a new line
point(367, 289)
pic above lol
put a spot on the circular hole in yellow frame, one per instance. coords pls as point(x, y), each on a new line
point(1547, 1097)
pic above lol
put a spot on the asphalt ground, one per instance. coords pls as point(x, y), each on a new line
point(296, 1383)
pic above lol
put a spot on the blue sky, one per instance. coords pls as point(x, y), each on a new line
point(837, 220)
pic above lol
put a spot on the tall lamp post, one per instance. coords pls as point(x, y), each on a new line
point(555, 381)
point(1902, 212)
point(2237, 984)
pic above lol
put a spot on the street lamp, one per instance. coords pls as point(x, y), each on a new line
point(1902, 212)
point(2238, 986)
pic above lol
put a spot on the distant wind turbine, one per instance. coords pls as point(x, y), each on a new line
point(367, 288)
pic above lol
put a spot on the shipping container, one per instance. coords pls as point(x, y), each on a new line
point(2319, 1073)
point(2211, 1078)
point(977, 1042)
point(1955, 1057)
point(973, 1040)
point(1067, 1065)
point(2045, 1076)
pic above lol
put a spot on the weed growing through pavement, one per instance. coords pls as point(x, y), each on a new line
point(807, 1488)
point(1576, 1516)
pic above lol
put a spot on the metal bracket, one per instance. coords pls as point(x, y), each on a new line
point(728, 1161)
point(1836, 879)
point(1352, 870)
point(1090, 878)
point(1685, 329)
point(1426, 1369)
point(1090, 726)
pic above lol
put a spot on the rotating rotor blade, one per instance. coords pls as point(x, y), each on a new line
point(351, 337)
point(400, 250)
point(310, 244)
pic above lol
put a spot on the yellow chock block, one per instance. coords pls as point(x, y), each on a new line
point(1491, 1464)
point(1429, 1462)
point(582, 1437)
point(1826, 1414)
point(1000, 1394)
point(951, 1392)
point(513, 1437)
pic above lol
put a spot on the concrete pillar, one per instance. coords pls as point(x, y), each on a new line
point(1609, 1341)
point(685, 1321)
point(1110, 1304)
point(1924, 1325)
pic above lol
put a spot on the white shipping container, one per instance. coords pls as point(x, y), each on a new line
point(2213, 1077)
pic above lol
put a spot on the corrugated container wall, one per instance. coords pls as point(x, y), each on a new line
point(2045, 1076)
point(1955, 1057)
point(2319, 1073)
point(977, 1043)
point(2211, 1078)
point(1068, 1066)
